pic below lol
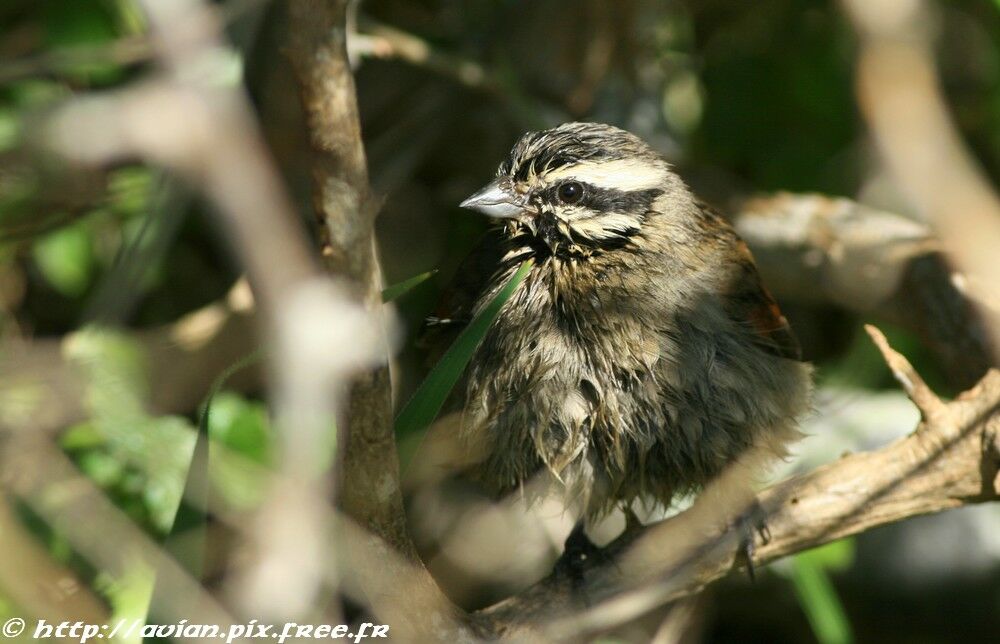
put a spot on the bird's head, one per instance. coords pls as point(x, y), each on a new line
point(577, 187)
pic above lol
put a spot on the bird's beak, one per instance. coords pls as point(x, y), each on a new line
point(495, 200)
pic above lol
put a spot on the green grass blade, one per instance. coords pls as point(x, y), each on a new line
point(220, 381)
point(819, 600)
point(187, 520)
point(425, 404)
point(399, 289)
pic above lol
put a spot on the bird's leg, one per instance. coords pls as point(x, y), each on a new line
point(633, 527)
point(632, 522)
point(577, 554)
point(751, 523)
point(577, 547)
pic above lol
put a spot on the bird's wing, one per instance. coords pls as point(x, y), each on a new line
point(751, 305)
point(455, 307)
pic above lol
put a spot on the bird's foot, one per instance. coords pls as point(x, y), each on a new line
point(579, 554)
point(633, 524)
point(633, 529)
point(751, 524)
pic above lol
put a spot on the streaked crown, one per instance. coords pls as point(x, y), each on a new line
point(579, 187)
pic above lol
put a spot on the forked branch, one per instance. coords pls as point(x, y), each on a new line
point(950, 460)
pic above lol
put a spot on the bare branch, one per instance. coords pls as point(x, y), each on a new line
point(369, 482)
point(822, 250)
point(384, 41)
point(927, 402)
point(952, 461)
point(346, 210)
point(34, 469)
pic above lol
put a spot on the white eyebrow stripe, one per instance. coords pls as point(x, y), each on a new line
point(621, 174)
point(605, 226)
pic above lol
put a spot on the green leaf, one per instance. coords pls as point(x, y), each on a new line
point(129, 17)
point(836, 555)
point(240, 425)
point(425, 404)
point(130, 190)
point(82, 436)
point(101, 467)
point(816, 593)
point(129, 593)
point(66, 259)
point(70, 23)
point(36, 93)
point(399, 289)
point(10, 128)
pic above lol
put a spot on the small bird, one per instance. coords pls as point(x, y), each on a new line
point(641, 354)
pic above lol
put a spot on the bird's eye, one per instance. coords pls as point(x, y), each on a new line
point(570, 192)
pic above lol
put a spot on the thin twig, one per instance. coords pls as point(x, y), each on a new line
point(384, 41)
point(930, 406)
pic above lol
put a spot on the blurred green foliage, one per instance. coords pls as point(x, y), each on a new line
point(142, 460)
point(65, 258)
point(810, 577)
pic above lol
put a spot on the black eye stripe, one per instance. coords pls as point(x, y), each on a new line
point(600, 199)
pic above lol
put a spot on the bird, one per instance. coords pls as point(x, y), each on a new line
point(640, 355)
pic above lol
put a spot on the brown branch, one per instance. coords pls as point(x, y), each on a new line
point(930, 406)
point(823, 250)
point(951, 460)
point(346, 210)
point(384, 41)
point(369, 487)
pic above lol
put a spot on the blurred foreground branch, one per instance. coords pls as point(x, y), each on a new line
point(43, 477)
point(900, 96)
point(346, 209)
point(42, 390)
point(205, 131)
point(30, 577)
point(950, 460)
